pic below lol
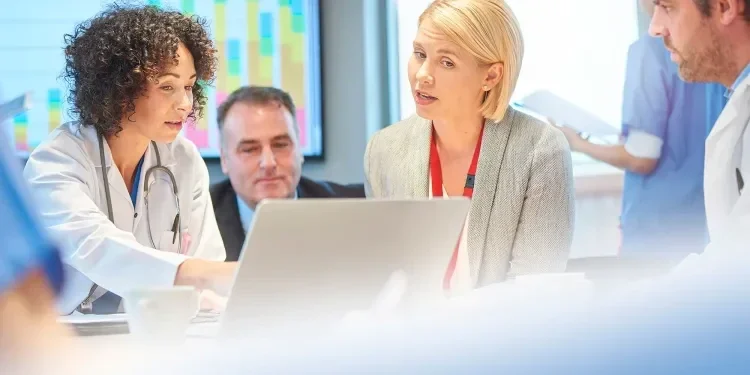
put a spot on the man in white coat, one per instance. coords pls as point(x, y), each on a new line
point(710, 42)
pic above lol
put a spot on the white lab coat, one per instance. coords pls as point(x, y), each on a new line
point(65, 177)
point(727, 211)
point(727, 149)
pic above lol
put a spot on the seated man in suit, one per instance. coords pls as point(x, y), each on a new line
point(261, 155)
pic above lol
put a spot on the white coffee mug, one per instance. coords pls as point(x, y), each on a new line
point(161, 313)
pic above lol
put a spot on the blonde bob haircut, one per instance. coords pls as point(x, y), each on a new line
point(490, 32)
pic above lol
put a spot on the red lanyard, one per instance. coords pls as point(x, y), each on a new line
point(436, 173)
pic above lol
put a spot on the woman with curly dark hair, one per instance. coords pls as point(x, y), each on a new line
point(123, 192)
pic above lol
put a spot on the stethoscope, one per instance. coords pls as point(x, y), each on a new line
point(176, 225)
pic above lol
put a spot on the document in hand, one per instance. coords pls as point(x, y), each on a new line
point(15, 106)
point(563, 112)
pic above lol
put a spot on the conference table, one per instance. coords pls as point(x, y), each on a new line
point(526, 293)
point(201, 352)
point(198, 352)
point(357, 349)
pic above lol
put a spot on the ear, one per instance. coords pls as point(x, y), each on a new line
point(300, 154)
point(494, 76)
point(223, 160)
point(729, 10)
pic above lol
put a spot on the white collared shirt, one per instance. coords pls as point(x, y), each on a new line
point(247, 213)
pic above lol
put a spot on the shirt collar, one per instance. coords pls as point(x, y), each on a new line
point(247, 213)
point(745, 72)
point(165, 151)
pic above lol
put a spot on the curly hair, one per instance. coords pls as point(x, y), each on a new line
point(110, 58)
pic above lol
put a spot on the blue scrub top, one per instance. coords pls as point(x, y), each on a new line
point(664, 212)
point(137, 181)
point(26, 246)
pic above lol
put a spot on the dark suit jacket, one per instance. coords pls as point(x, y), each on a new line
point(227, 213)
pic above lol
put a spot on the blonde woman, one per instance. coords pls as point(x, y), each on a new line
point(465, 140)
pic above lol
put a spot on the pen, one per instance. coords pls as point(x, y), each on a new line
point(174, 227)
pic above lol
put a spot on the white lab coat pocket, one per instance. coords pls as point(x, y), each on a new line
point(169, 242)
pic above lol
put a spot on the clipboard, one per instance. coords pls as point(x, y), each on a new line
point(15, 106)
point(546, 104)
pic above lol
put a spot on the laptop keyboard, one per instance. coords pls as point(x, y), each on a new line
point(206, 317)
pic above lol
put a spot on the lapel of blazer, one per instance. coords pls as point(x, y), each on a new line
point(416, 164)
point(496, 135)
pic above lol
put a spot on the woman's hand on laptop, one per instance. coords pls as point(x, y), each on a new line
point(212, 302)
point(222, 278)
point(206, 274)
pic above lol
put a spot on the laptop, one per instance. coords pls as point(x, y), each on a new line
point(305, 264)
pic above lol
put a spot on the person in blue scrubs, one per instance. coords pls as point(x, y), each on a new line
point(665, 122)
point(31, 274)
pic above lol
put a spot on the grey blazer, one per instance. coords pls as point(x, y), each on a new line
point(522, 211)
